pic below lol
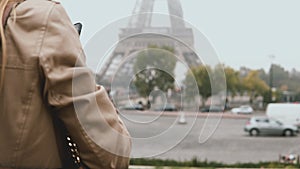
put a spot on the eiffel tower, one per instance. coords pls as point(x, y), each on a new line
point(139, 35)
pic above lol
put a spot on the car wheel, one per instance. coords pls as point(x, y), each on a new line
point(288, 133)
point(254, 132)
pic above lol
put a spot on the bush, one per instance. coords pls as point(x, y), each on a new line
point(197, 163)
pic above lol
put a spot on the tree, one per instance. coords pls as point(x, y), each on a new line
point(254, 85)
point(232, 80)
point(154, 68)
point(200, 76)
point(263, 75)
point(294, 81)
point(280, 76)
point(218, 79)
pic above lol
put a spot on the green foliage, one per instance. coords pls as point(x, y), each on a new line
point(201, 76)
point(204, 164)
point(211, 80)
point(282, 80)
point(218, 79)
point(254, 84)
point(154, 68)
point(280, 75)
point(263, 75)
point(294, 81)
point(233, 81)
point(249, 82)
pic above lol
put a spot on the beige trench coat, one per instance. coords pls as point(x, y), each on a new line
point(45, 58)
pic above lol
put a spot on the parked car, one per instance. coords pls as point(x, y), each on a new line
point(215, 109)
point(288, 113)
point(132, 107)
point(244, 109)
point(269, 126)
point(167, 107)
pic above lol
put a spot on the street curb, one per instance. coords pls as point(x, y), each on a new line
point(190, 114)
point(141, 167)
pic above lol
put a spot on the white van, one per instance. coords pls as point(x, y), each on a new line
point(287, 113)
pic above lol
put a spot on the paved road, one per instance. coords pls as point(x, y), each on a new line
point(156, 134)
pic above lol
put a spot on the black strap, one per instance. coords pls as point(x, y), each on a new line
point(62, 140)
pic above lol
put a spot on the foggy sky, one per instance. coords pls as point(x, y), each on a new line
point(244, 33)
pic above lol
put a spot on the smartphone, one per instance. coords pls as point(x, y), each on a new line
point(78, 27)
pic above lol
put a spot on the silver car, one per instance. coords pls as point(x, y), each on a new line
point(265, 125)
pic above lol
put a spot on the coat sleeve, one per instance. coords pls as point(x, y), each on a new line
point(85, 109)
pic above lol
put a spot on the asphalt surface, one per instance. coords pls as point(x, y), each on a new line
point(213, 138)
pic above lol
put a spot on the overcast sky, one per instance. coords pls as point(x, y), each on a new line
point(244, 33)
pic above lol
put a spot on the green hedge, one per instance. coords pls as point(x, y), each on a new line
point(197, 163)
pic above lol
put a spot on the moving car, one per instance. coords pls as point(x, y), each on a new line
point(269, 126)
point(214, 109)
point(244, 109)
point(132, 107)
